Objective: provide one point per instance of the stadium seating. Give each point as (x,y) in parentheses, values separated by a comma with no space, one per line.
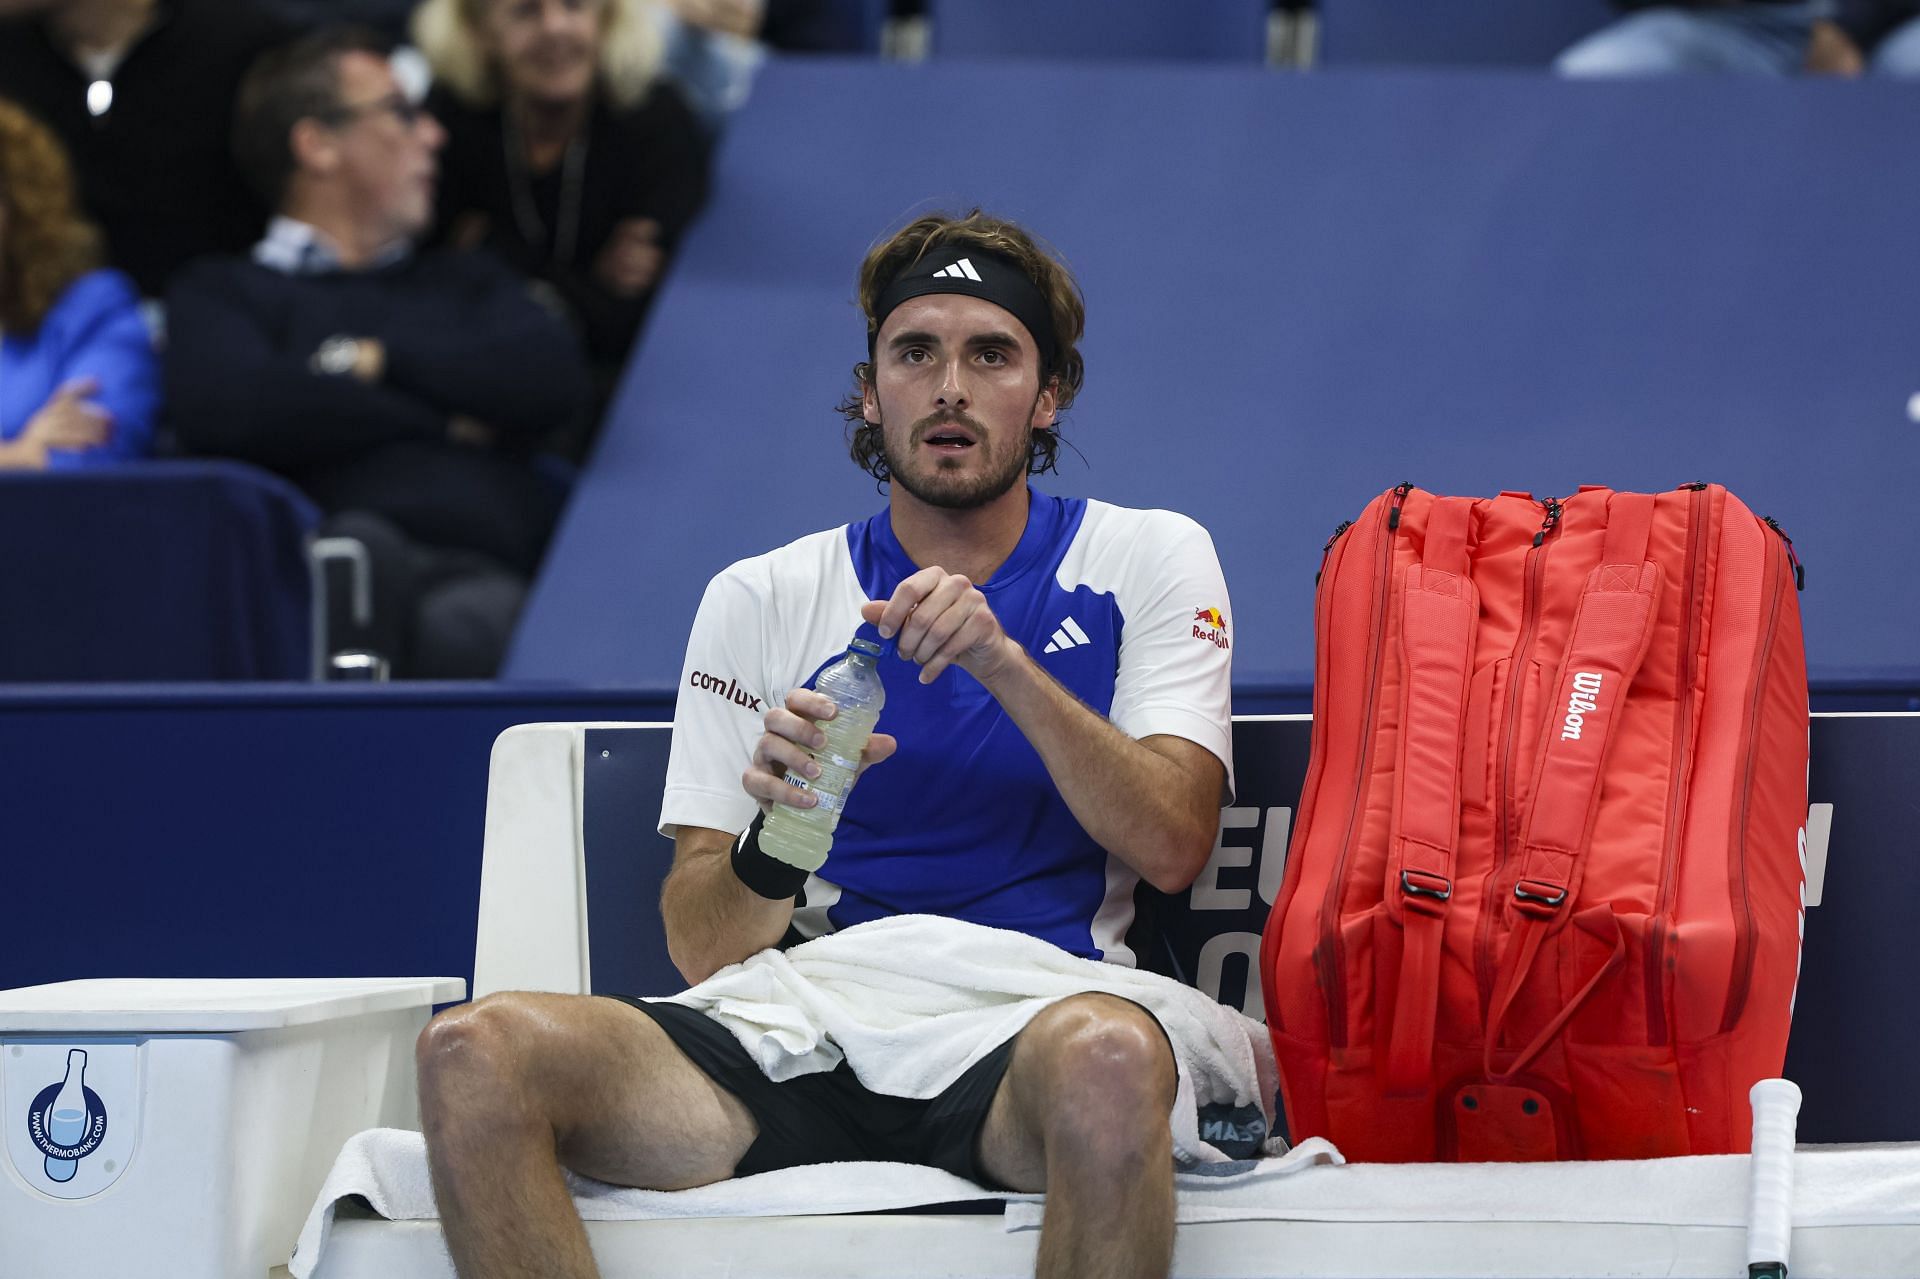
(1223,30)
(1524,33)
(1302,290)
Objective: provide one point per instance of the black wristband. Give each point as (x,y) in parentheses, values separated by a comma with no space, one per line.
(763,873)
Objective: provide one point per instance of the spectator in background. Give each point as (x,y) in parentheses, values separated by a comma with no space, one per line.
(388,17)
(140,92)
(403,390)
(712,51)
(565,153)
(714,47)
(78,379)
(1749,37)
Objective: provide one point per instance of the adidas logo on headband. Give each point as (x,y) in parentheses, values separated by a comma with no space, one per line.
(961,270)
(1010,289)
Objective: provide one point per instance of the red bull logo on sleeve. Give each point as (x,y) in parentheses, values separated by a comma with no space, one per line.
(1210,624)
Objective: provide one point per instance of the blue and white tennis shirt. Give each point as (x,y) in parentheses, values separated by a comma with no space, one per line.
(1126,608)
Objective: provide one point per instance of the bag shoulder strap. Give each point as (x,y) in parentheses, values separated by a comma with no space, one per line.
(1439,611)
(1611,633)
(1612,630)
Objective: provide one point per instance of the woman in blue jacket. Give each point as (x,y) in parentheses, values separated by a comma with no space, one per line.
(79,384)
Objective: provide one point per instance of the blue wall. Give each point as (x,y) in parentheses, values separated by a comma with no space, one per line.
(1302,290)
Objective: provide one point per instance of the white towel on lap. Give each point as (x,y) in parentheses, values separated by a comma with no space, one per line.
(912,1001)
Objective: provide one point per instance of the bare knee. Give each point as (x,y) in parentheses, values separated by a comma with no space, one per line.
(1106,1068)
(471,1060)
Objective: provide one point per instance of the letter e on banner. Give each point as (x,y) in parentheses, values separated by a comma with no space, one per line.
(1207,893)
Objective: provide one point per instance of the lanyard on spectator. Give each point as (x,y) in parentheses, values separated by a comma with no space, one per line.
(573,168)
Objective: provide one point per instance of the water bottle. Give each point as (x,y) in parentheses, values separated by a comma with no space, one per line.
(801,836)
(67,1117)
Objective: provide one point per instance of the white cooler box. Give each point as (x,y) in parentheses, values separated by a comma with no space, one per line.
(184,1127)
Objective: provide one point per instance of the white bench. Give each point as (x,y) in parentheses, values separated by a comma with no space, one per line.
(1674,1217)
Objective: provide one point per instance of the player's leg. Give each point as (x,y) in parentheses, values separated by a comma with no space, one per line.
(1082,1114)
(513,1087)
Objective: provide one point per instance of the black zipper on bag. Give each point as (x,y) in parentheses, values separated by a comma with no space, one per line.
(1549,524)
(1400,492)
(1327,550)
(1799,569)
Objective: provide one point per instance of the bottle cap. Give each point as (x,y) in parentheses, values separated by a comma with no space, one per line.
(866,646)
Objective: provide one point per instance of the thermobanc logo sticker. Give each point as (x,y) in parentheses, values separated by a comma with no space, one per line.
(67,1120)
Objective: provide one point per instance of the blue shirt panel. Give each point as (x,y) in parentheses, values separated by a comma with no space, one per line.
(964,821)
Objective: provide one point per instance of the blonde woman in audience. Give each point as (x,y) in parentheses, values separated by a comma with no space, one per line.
(566,153)
(78,380)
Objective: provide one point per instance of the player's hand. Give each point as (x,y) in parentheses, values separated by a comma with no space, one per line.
(942,620)
(791,731)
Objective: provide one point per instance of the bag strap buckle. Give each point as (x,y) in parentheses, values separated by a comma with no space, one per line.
(1424,883)
(1539,897)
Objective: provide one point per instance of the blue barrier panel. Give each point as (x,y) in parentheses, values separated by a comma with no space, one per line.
(253,831)
(1302,290)
(1853,1041)
(154,571)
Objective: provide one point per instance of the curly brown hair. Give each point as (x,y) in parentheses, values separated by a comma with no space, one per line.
(45,242)
(990,234)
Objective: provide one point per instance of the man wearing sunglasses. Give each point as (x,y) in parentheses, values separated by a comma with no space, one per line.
(405,391)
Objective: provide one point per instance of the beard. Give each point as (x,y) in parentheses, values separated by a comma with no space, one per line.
(951,491)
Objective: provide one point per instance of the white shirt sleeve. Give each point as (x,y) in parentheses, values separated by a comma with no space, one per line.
(1176,664)
(722,700)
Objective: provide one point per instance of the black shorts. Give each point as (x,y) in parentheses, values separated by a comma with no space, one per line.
(830,1116)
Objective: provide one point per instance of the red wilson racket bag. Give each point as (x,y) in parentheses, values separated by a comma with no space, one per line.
(1544,893)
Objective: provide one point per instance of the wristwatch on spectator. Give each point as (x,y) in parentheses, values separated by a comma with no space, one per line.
(338,356)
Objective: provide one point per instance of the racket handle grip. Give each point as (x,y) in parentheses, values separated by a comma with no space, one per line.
(1776,1111)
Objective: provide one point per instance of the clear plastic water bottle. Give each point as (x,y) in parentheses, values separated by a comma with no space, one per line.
(801,836)
(67,1118)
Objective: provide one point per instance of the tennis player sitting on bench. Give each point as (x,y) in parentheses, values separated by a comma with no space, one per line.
(1057,732)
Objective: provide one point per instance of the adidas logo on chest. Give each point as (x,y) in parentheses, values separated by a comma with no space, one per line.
(1065,636)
